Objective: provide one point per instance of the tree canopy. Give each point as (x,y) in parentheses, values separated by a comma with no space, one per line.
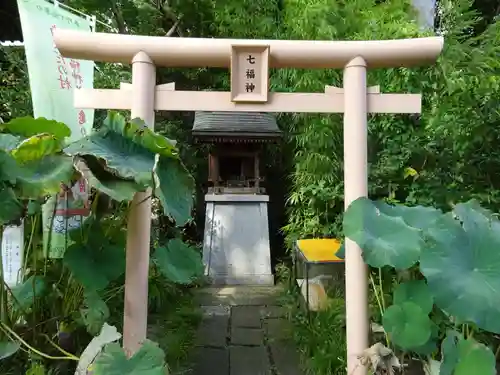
(447,154)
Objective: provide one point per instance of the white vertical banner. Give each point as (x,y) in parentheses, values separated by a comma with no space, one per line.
(53,80)
(12,253)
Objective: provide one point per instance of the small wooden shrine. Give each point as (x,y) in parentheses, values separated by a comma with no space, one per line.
(236,240)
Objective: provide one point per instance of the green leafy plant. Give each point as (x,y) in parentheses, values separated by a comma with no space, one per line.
(454,254)
(149,360)
(123,158)
(118,160)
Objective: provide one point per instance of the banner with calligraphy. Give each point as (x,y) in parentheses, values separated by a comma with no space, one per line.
(53,80)
(12,254)
(53,77)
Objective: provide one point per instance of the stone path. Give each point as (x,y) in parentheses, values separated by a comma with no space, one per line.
(244,332)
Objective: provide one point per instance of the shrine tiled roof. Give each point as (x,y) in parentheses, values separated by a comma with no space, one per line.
(235,124)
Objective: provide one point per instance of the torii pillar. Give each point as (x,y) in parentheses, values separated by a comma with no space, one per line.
(354,100)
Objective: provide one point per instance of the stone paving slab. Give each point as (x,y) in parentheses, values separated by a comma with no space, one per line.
(219,310)
(248,360)
(211,361)
(272,312)
(278,329)
(247,336)
(286,359)
(213,332)
(244,332)
(246,316)
(239,295)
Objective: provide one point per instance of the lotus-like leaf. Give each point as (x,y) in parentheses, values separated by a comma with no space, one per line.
(8,348)
(407,324)
(462,267)
(115,122)
(29,126)
(8,142)
(36,147)
(175,189)
(419,217)
(149,360)
(43,177)
(107,335)
(449,352)
(431,346)
(95,266)
(137,131)
(25,293)
(121,156)
(9,168)
(95,313)
(415,291)
(475,358)
(386,240)
(465,357)
(99,178)
(178,262)
(151,140)
(11,209)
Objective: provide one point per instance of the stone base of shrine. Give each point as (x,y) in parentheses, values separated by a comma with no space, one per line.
(236,247)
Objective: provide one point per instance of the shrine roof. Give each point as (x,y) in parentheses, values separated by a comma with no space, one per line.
(235,125)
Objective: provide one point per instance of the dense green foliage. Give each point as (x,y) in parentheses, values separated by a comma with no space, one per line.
(451,145)
(77,289)
(444,305)
(446,155)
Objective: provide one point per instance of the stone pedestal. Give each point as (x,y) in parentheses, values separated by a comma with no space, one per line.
(236,242)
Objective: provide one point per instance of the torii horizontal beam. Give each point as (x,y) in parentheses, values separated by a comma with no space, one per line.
(206,52)
(167,99)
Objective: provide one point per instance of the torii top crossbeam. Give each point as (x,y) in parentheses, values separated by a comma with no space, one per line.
(204,52)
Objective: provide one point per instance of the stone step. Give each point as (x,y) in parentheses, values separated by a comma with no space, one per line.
(239,295)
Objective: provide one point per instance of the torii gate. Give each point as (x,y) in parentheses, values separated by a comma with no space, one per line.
(249,61)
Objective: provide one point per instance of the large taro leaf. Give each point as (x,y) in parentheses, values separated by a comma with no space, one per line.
(431,346)
(10,209)
(419,217)
(449,352)
(148,360)
(29,126)
(386,240)
(465,357)
(24,294)
(9,168)
(175,189)
(8,142)
(462,266)
(408,325)
(178,262)
(107,335)
(95,266)
(137,131)
(99,178)
(95,313)
(474,358)
(43,177)
(36,147)
(415,291)
(122,157)
(8,348)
